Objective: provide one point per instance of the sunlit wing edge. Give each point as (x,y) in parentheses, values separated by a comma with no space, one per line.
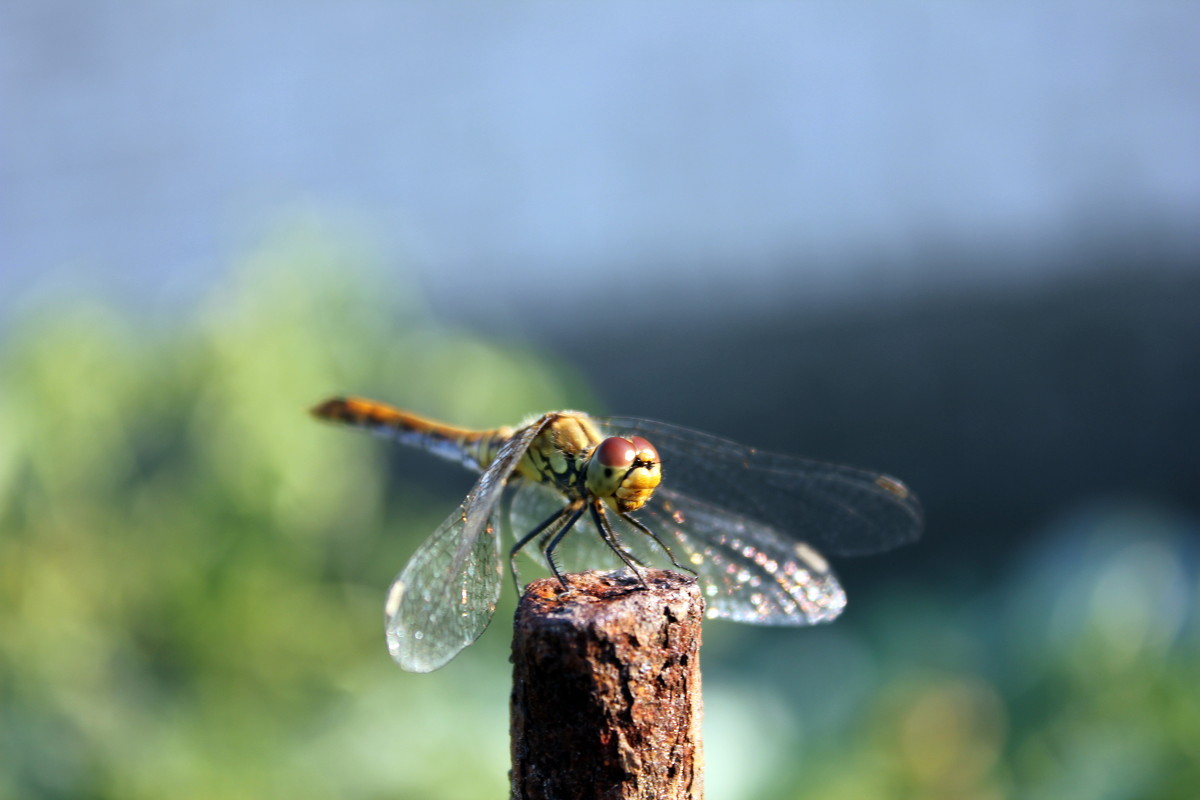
(445,596)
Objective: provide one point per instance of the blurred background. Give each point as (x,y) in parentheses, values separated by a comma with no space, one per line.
(958,244)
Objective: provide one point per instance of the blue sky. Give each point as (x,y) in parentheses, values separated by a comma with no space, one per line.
(751,148)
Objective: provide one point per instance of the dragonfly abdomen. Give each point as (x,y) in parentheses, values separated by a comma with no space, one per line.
(474,449)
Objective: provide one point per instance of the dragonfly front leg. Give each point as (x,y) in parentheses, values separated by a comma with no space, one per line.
(547,526)
(568,516)
(610,538)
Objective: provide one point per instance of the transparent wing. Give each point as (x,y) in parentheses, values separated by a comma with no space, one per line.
(446,594)
(749,572)
(842,510)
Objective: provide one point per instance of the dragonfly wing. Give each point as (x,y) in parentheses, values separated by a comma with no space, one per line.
(748,572)
(843,510)
(444,598)
(446,595)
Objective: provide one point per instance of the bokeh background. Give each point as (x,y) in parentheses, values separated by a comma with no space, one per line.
(955,243)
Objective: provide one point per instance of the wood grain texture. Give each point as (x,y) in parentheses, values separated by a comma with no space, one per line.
(606,689)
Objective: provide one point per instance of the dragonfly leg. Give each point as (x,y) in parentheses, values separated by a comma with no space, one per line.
(549,534)
(610,538)
(635,523)
(616,542)
(547,527)
(575,511)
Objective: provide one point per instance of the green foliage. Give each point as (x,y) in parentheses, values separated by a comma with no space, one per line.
(192,569)
(192,574)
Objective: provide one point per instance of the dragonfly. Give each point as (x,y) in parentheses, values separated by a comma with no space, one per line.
(751,526)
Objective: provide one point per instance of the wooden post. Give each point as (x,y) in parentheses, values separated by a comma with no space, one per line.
(606,689)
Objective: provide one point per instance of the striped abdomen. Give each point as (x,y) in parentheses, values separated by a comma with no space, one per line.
(474,449)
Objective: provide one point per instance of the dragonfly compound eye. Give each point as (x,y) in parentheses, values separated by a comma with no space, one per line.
(645,451)
(616,453)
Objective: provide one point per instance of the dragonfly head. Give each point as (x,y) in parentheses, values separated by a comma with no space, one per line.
(624,472)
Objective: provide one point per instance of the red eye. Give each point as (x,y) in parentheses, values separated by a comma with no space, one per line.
(616,452)
(641,445)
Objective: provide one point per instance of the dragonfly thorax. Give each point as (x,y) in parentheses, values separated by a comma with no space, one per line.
(624,472)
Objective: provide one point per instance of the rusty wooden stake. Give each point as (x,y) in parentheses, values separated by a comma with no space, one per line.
(606,689)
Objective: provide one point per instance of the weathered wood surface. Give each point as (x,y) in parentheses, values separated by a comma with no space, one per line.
(606,689)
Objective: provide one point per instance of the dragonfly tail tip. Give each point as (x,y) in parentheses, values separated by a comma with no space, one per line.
(334,408)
